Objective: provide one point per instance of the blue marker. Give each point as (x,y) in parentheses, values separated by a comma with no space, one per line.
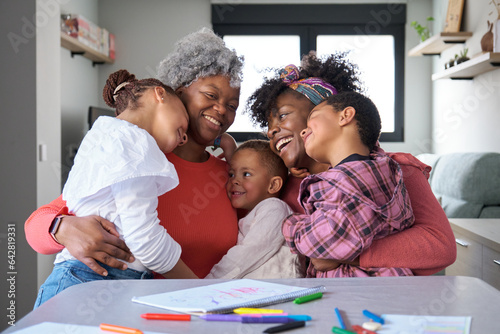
(339,317)
(374,317)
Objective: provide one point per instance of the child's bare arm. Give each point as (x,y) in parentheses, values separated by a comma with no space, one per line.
(327,265)
(180,270)
(228,146)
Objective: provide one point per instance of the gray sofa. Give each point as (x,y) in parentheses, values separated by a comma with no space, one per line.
(466,184)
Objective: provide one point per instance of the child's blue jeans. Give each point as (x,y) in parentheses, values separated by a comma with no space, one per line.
(69,273)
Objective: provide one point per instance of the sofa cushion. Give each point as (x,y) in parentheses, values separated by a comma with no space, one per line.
(467,185)
(490,212)
(472,177)
(458,208)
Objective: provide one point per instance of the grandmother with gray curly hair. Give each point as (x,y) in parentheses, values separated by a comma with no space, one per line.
(206,75)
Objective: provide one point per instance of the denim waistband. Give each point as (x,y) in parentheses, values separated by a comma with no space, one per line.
(113,273)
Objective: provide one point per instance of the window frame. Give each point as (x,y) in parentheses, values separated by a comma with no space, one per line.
(309,21)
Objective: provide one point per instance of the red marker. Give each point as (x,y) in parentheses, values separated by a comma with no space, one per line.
(361,330)
(165,316)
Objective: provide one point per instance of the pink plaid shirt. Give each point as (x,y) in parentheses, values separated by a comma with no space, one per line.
(346,208)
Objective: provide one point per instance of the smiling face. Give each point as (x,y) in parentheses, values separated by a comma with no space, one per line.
(170,123)
(249,180)
(285,126)
(322,132)
(211,104)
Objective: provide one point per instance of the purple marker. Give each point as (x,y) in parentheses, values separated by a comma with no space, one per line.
(221,317)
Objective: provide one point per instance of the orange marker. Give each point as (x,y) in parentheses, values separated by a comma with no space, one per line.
(120,329)
(165,316)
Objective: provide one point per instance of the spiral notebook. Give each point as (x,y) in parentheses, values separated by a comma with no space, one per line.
(227,296)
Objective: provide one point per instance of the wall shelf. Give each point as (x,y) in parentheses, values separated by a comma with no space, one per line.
(78,48)
(482,63)
(438,43)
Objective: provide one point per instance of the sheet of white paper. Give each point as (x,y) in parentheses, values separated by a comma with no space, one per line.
(57,328)
(422,324)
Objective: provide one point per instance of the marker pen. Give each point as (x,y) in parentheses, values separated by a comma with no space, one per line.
(285,327)
(374,317)
(120,329)
(308,298)
(165,316)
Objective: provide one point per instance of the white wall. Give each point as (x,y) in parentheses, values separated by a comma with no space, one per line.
(79,82)
(418,94)
(147,30)
(466,113)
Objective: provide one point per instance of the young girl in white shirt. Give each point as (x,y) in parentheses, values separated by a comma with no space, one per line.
(119,172)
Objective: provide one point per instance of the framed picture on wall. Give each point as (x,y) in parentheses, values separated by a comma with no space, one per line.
(454,15)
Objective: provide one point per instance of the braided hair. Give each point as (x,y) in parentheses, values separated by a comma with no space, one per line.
(123,90)
(336,70)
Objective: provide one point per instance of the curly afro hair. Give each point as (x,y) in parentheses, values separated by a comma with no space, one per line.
(367,115)
(336,69)
(198,55)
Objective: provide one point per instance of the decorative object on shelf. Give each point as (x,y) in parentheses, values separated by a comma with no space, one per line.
(454,15)
(83,37)
(87,33)
(451,62)
(478,64)
(487,40)
(438,43)
(423,31)
(462,57)
(68,25)
(496,27)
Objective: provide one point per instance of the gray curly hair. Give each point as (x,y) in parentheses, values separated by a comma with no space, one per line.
(198,55)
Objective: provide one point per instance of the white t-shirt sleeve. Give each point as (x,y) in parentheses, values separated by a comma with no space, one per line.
(136,203)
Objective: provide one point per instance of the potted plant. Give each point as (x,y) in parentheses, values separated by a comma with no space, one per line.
(451,62)
(423,31)
(463,56)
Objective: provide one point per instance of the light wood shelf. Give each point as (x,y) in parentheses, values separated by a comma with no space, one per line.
(438,43)
(77,47)
(482,63)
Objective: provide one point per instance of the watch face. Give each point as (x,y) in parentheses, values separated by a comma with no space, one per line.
(55,225)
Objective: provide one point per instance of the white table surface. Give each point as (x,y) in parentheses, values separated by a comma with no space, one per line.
(110,302)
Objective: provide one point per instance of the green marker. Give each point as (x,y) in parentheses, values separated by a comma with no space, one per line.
(337,330)
(308,298)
